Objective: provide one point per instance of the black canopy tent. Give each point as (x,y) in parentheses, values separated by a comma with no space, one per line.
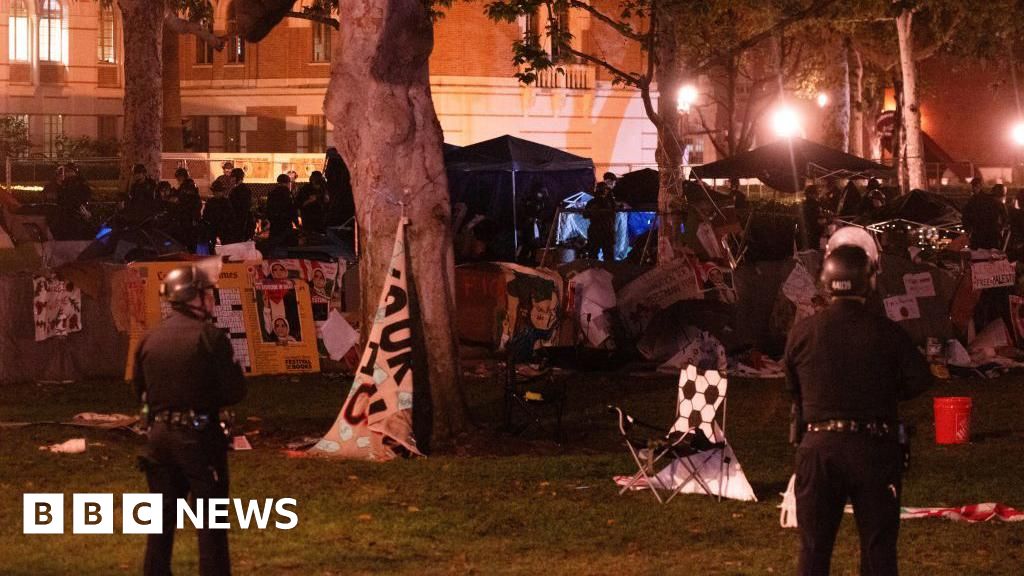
(785,164)
(489,176)
(638,188)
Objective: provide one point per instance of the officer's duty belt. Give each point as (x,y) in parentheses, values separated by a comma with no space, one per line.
(189,418)
(873,428)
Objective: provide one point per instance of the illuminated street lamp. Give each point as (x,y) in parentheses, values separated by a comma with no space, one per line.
(786,122)
(822,99)
(1017,133)
(687,97)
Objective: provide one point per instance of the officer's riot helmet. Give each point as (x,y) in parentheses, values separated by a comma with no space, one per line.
(848,271)
(183,284)
(854,236)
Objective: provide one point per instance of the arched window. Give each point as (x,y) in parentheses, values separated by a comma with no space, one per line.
(107,44)
(235,45)
(18,32)
(51,31)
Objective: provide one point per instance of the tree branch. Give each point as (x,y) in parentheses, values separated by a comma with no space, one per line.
(756,39)
(182,26)
(313,17)
(627,77)
(621,27)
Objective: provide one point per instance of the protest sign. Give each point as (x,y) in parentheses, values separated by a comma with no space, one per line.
(903,307)
(992,274)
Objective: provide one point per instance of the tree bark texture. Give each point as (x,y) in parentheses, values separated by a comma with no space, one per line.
(856,103)
(916,176)
(669,152)
(173,140)
(388,133)
(143,90)
(838,113)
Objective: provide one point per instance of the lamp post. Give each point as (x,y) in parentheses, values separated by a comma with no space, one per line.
(786,122)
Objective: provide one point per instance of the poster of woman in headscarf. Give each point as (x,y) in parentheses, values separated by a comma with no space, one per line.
(278,309)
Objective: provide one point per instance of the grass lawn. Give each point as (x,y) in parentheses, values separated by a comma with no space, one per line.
(502,505)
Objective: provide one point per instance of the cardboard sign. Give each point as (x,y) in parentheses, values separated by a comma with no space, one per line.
(656,290)
(376,420)
(903,307)
(992,274)
(249,323)
(919,285)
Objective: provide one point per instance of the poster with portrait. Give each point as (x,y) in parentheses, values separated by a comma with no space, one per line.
(716,282)
(532,307)
(57,307)
(235,312)
(322,278)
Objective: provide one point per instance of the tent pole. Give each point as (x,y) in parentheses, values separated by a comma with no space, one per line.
(515,220)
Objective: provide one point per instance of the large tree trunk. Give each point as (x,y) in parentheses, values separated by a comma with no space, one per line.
(838,114)
(857,104)
(143,93)
(391,139)
(172,129)
(669,152)
(916,176)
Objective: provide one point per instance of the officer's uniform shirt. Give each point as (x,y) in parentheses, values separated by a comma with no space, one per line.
(849,363)
(187,363)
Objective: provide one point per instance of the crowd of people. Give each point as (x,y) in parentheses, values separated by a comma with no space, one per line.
(232,212)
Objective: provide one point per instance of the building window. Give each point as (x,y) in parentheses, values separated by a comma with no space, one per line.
(51,31)
(235,45)
(204,50)
(105,47)
(695,149)
(106,128)
(321,42)
(232,133)
(316,134)
(17,32)
(197,134)
(53,129)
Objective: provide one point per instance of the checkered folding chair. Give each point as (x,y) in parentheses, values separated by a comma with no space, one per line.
(694,439)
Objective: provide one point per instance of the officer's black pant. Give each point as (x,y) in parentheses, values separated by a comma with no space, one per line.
(182,463)
(832,467)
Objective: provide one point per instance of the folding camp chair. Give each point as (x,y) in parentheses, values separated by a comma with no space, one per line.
(694,439)
(530,387)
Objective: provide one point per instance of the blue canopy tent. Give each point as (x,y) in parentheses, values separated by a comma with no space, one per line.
(489,177)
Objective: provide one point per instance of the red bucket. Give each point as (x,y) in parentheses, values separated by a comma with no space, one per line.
(952,420)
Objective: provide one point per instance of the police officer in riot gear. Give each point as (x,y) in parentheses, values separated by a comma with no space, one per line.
(185,374)
(847,368)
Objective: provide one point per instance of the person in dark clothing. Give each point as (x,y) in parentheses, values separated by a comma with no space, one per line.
(984,218)
(185,374)
(217,221)
(534,219)
(223,182)
(849,201)
(1015,220)
(847,369)
(341,204)
(312,202)
(280,209)
(142,199)
(73,196)
(601,233)
(241,206)
(812,220)
(188,213)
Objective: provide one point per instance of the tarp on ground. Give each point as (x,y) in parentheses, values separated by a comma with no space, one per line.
(786,164)
(96,351)
(492,177)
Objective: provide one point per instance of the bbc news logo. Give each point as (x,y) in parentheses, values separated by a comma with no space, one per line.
(143,513)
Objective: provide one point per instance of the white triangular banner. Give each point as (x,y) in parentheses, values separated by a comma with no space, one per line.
(727,480)
(375,422)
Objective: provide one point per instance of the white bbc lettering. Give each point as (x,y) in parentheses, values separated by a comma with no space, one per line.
(92,514)
(43,513)
(246,513)
(219,508)
(196,516)
(142,514)
(281,508)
